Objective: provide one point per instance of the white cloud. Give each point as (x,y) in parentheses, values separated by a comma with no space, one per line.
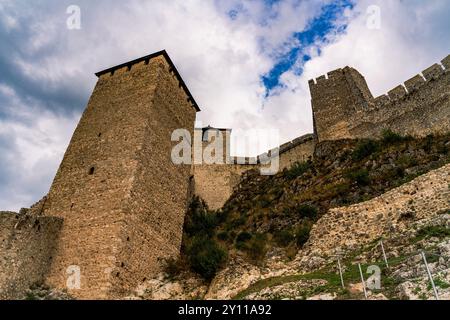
(409,40)
(32,144)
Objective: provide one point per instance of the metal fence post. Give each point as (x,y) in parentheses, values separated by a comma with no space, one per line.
(430,276)
(362,280)
(384,254)
(340,273)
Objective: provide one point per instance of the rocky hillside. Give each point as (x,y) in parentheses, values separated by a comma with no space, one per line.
(279,237)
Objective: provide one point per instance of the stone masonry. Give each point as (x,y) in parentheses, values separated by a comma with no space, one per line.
(27,245)
(365,222)
(116,206)
(121,197)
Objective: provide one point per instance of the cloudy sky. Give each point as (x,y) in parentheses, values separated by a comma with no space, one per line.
(247,63)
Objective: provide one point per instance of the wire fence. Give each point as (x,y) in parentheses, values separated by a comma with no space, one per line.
(424,261)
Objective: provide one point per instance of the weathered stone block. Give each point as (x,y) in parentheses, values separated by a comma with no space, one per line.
(27,244)
(397,92)
(414,83)
(382,100)
(433,72)
(446,62)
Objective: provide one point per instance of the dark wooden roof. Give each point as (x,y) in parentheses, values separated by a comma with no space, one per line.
(147,58)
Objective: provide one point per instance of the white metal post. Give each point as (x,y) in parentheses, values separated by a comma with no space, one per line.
(362,280)
(340,273)
(430,276)
(384,254)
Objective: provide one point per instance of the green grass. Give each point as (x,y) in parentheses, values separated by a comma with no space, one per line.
(330,274)
(438,282)
(432,231)
(364,149)
(297,170)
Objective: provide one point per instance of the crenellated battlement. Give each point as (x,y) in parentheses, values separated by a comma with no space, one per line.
(414,84)
(145,61)
(335,74)
(116,206)
(341,102)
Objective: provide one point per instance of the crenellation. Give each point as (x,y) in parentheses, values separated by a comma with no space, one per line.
(433,72)
(344,108)
(321,79)
(117,203)
(446,63)
(414,83)
(397,93)
(382,100)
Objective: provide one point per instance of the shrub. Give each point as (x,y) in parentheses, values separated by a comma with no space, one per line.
(307,211)
(302,233)
(242,239)
(235,223)
(223,236)
(442,148)
(198,220)
(390,137)
(283,238)
(257,247)
(265,202)
(428,143)
(364,149)
(297,169)
(205,256)
(406,161)
(361,177)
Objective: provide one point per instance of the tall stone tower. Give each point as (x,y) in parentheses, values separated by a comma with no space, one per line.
(121,197)
(335,100)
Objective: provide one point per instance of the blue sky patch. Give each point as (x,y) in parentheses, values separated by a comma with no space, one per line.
(296,57)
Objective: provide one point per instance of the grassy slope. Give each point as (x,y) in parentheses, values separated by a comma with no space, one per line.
(278,211)
(351,172)
(351,273)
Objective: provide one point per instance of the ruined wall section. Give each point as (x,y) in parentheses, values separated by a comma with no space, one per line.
(419,107)
(158,199)
(27,246)
(350,228)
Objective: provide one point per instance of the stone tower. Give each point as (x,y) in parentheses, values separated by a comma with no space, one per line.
(209,135)
(335,99)
(121,197)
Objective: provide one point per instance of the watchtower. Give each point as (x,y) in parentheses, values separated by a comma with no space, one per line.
(335,99)
(121,197)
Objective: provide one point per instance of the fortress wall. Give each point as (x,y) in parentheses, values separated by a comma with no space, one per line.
(350,228)
(343,106)
(94,190)
(298,150)
(158,199)
(215,183)
(419,107)
(26,249)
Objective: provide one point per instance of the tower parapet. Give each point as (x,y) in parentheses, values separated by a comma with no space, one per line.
(343,106)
